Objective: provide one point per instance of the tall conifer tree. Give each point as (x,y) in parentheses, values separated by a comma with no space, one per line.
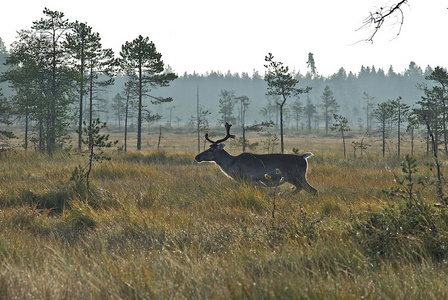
(281,83)
(140,57)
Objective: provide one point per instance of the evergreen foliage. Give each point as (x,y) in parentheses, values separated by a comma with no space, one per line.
(281,83)
(93,64)
(140,58)
(55,63)
(341,125)
(329,106)
(5,112)
(226,107)
(40,73)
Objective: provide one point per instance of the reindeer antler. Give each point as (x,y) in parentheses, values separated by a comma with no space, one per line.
(228,135)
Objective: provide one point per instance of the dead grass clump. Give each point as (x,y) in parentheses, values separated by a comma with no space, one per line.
(158,157)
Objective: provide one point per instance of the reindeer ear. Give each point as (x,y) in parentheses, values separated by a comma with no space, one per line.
(221,146)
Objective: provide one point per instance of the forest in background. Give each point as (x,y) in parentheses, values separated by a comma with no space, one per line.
(73,78)
(348,90)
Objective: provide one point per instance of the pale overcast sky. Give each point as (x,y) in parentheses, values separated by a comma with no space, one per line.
(205,35)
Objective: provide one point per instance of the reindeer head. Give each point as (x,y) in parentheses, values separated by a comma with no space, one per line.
(216,147)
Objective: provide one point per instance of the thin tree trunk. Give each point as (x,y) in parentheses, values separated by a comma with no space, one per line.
(139,120)
(26,131)
(384,138)
(445,137)
(198,112)
(399,129)
(160,137)
(90,108)
(281,127)
(81,96)
(126,123)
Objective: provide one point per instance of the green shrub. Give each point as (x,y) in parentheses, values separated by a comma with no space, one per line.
(396,230)
(409,226)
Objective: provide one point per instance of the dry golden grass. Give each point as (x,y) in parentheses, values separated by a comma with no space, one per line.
(157,226)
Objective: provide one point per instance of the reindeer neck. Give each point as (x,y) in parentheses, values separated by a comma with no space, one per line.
(224,160)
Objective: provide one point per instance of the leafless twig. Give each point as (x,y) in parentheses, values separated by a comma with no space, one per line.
(377,18)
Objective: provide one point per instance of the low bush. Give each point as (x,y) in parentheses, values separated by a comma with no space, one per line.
(409,226)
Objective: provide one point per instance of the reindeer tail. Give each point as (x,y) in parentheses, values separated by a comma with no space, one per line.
(306,155)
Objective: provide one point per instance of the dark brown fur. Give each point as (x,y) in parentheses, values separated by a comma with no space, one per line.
(267,169)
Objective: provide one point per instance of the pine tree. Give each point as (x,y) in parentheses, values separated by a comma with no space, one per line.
(24,78)
(309,111)
(399,115)
(383,113)
(281,83)
(91,62)
(297,110)
(341,126)
(428,114)
(244,102)
(140,57)
(226,106)
(329,106)
(440,76)
(53,29)
(5,114)
(39,60)
(118,105)
(369,105)
(311,64)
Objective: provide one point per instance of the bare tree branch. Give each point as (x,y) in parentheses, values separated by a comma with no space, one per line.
(377,18)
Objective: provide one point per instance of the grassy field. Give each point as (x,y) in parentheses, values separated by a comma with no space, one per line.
(156,225)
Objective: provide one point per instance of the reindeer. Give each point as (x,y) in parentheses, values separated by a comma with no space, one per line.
(267,169)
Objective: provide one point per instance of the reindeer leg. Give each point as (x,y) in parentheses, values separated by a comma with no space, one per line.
(302,183)
(308,187)
(298,187)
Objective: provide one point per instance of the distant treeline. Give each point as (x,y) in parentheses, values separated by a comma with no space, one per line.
(349,90)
